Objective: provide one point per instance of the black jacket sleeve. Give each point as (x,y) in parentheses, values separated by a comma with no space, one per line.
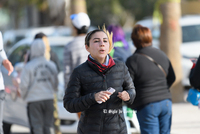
(73,101)
(129,86)
(170,76)
(195,75)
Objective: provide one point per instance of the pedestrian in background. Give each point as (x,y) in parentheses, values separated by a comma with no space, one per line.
(195,73)
(121,49)
(38,83)
(7,64)
(50,55)
(74,52)
(101,110)
(153,75)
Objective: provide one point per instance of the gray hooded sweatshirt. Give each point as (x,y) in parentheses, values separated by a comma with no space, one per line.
(39,78)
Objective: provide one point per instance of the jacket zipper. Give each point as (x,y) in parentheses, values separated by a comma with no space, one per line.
(104,105)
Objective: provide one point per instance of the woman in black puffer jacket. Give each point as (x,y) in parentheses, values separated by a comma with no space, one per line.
(88,85)
(153,75)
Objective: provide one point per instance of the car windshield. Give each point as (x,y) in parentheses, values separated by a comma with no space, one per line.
(17,55)
(191,33)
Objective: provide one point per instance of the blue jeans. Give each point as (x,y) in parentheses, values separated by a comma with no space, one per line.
(155,118)
(2,98)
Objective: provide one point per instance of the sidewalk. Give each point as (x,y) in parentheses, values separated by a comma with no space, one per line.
(185,119)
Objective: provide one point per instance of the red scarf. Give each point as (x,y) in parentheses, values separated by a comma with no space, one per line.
(101,67)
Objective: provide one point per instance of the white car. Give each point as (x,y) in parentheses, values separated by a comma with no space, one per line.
(190,47)
(11,37)
(15,107)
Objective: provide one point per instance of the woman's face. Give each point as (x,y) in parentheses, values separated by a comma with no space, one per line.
(98,46)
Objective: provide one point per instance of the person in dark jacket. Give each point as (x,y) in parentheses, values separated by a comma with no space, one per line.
(195,74)
(86,92)
(152,83)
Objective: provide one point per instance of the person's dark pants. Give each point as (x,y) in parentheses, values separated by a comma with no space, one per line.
(155,118)
(6,127)
(2,98)
(41,117)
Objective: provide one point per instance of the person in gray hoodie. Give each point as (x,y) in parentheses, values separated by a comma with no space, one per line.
(38,83)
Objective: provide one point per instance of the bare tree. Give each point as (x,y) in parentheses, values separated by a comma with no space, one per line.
(170,41)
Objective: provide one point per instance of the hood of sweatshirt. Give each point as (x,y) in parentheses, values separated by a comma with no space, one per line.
(37,48)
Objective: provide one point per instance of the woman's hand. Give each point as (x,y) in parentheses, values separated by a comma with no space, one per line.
(102,96)
(124,96)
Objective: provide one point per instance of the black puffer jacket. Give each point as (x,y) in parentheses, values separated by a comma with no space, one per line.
(150,82)
(104,118)
(195,75)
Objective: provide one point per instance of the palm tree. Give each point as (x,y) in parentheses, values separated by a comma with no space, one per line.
(170,40)
(78,6)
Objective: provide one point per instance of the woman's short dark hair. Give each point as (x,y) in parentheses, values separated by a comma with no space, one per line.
(89,35)
(141,36)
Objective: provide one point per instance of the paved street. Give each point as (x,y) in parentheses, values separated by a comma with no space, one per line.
(185,120)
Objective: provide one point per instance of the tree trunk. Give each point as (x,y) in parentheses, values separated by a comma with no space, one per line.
(15,13)
(78,6)
(170,41)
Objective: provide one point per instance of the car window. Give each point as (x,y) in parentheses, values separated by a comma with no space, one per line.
(191,33)
(18,38)
(17,55)
(59,50)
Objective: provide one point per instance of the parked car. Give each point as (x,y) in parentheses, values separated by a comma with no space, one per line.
(11,37)
(15,107)
(190,47)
